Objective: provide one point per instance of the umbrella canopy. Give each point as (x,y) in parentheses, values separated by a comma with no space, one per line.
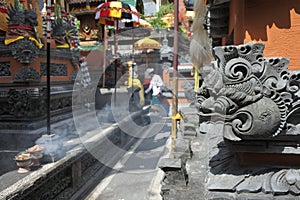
(109,11)
(146,43)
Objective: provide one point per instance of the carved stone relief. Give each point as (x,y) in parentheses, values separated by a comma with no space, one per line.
(89,30)
(5,69)
(248,137)
(228,177)
(27,74)
(24,51)
(26,103)
(31,102)
(56,69)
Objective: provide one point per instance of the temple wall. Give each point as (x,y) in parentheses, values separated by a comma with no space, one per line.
(274,23)
(236,20)
(15,66)
(277,24)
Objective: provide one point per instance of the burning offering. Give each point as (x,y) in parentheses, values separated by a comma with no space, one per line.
(23,161)
(36,153)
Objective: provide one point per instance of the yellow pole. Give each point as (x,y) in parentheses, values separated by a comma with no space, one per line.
(196,78)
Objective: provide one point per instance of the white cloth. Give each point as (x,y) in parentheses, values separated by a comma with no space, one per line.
(156,90)
(85,75)
(155,84)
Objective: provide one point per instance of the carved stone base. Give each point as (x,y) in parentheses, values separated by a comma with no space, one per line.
(23,114)
(214,172)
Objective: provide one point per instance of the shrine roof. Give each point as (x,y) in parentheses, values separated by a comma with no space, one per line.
(82,1)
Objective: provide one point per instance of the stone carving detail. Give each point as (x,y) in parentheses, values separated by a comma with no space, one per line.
(248,106)
(24,51)
(30,104)
(27,74)
(54,186)
(21,25)
(255,97)
(252,102)
(227,177)
(89,30)
(61,33)
(26,103)
(55,69)
(60,103)
(58,183)
(5,69)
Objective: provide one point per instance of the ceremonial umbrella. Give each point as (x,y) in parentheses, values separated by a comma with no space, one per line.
(115,13)
(142,30)
(108,12)
(146,44)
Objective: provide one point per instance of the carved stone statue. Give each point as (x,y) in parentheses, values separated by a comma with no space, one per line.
(249,110)
(255,97)
(62,32)
(21,35)
(21,24)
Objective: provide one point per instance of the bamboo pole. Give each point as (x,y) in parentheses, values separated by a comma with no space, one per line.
(105,49)
(116,27)
(174,80)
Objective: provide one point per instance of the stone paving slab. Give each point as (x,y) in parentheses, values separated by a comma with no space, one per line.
(138,176)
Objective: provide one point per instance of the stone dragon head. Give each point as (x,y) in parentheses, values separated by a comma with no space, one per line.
(255,97)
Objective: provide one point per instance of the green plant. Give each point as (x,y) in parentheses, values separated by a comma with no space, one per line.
(165,9)
(157,21)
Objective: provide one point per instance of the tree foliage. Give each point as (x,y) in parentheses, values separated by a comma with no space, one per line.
(157,21)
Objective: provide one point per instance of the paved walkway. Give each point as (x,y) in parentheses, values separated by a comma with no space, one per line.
(137,176)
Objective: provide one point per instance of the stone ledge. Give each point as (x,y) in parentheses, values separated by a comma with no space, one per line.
(54,178)
(170,163)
